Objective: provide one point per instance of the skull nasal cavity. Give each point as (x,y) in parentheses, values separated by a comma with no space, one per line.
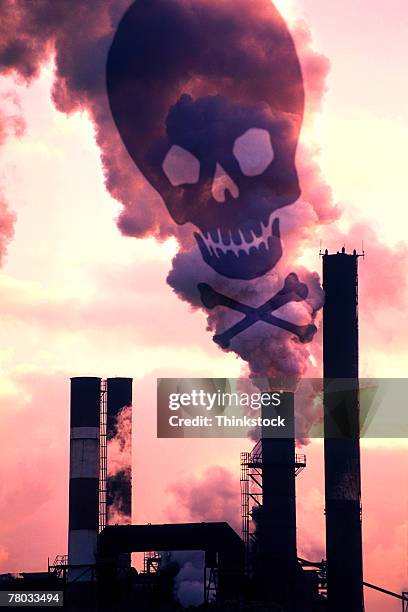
(222,182)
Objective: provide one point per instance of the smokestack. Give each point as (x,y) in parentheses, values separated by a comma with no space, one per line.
(84,475)
(276,556)
(342,433)
(119,484)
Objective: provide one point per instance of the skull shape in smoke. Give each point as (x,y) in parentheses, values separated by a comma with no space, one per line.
(208,99)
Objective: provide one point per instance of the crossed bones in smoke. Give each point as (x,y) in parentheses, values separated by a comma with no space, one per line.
(292,291)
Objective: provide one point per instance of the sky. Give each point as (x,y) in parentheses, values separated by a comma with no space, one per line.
(79,298)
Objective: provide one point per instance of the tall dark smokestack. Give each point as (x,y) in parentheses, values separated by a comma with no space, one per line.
(84,475)
(276,557)
(342,441)
(119,445)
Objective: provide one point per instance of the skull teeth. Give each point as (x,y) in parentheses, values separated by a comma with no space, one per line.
(217,248)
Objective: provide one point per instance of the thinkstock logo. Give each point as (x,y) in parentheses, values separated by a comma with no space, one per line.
(207,401)
(281,408)
(227,408)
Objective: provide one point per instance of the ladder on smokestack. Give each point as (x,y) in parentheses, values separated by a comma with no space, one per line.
(103,457)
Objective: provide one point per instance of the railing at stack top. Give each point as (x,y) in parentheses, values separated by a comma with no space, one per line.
(251,490)
(58,568)
(151,561)
(103,457)
(319,569)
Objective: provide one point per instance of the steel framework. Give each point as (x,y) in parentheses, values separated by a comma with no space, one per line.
(251,493)
(210,584)
(319,568)
(151,561)
(60,568)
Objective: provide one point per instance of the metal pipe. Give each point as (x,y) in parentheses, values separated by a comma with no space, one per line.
(385,591)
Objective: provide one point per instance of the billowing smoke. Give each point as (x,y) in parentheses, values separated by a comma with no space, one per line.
(7,219)
(267,349)
(119,469)
(189,581)
(212,497)
(11,124)
(78,36)
(120,445)
(204,95)
(236,36)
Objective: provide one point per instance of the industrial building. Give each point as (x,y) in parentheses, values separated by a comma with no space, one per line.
(260,570)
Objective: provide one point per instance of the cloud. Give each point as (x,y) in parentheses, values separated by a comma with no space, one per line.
(34,469)
(7,219)
(11,124)
(130,315)
(212,497)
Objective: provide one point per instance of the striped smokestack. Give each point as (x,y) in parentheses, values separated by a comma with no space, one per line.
(84,475)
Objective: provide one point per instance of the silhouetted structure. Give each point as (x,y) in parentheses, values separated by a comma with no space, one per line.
(84,475)
(275,535)
(262,569)
(96,408)
(342,443)
(224,551)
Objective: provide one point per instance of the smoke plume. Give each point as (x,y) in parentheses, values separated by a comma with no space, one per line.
(119,468)
(77,36)
(189,581)
(215,497)
(11,124)
(212,497)
(120,445)
(7,219)
(202,88)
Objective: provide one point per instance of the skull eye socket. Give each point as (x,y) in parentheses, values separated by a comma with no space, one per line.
(253,151)
(181,167)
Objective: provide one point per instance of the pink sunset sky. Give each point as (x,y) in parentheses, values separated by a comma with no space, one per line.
(79,298)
